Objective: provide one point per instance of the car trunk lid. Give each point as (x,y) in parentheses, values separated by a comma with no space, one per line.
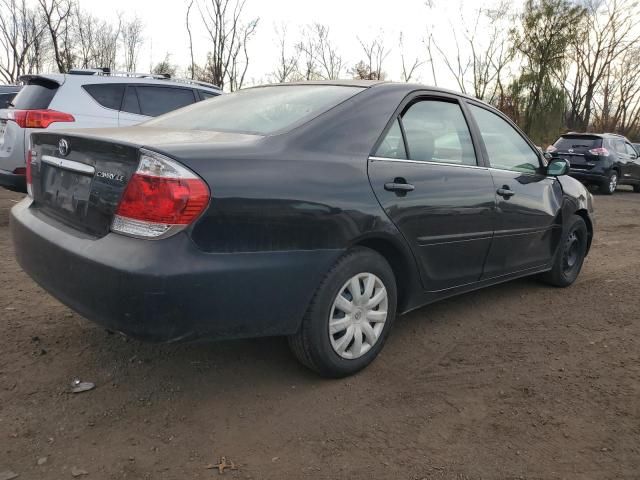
(79,178)
(79,181)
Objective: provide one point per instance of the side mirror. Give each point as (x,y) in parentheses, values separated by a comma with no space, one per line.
(548,156)
(558,167)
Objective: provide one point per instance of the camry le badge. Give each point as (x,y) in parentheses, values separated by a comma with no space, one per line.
(110,176)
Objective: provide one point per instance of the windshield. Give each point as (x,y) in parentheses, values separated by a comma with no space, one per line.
(262,111)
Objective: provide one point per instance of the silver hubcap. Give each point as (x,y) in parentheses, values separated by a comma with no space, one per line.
(358,315)
(613,184)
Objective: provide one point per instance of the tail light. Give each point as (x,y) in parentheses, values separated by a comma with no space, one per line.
(161,198)
(599,152)
(38,118)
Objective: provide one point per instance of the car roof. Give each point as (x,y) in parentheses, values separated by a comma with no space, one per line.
(380,84)
(592,134)
(85,79)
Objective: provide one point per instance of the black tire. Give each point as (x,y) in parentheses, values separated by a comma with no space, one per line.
(570,255)
(312,344)
(608,187)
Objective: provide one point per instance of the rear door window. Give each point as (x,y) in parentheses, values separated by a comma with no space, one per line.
(392,145)
(618,146)
(155,101)
(130,103)
(436,131)
(36,95)
(108,95)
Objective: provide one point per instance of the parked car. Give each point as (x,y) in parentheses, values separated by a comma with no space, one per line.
(82,99)
(7,93)
(603,159)
(317,211)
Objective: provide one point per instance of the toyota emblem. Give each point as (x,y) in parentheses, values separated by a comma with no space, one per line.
(63,147)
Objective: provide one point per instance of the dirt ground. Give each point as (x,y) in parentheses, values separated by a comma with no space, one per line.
(516,381)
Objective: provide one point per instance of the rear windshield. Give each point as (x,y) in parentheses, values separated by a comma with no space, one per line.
(261,111)
(36,95)
(5,99)
(578,142)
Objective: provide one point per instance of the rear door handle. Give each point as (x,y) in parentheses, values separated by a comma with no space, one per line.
(399,185)
(506,192)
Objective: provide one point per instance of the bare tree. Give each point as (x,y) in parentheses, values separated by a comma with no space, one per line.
(429,44)
(132,41)
(228,57)
(375,54)
(616,106)
(96,40)
(20,40)
(287,66)
(306,51)
(193,63)
(408,70)
(609,31)
(480,60)
(58,15)
(240,57)
(329,61)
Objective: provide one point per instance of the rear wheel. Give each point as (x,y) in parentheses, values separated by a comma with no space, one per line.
(349,317)
(608,187)
(569,258)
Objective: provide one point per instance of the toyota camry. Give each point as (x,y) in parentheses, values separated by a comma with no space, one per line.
(316,211)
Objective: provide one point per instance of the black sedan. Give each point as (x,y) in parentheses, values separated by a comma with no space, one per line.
(318,211)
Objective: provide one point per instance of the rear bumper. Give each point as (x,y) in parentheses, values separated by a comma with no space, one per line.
(167,290)
(588,177)
(14,182)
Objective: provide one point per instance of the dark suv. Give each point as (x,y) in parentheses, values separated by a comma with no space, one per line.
(603,159)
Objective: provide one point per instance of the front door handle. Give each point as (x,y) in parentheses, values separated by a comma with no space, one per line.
(506,192)
(399,185)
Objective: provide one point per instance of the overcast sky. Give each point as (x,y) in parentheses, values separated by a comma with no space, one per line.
(165,30)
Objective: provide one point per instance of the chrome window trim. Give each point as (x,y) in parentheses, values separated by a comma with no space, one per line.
(515,171)
(69,165)
(425,162)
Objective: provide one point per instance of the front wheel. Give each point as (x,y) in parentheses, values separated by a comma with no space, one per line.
(350,316)
(570,255)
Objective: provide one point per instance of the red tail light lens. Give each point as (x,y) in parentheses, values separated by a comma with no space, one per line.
(599,152)
(38,118)
(161,198)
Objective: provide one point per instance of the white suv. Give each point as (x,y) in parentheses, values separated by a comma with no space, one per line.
(86,99)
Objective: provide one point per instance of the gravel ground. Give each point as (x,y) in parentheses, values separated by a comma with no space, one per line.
(515,381)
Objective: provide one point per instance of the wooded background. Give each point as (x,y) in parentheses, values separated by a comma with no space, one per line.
(551,65)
